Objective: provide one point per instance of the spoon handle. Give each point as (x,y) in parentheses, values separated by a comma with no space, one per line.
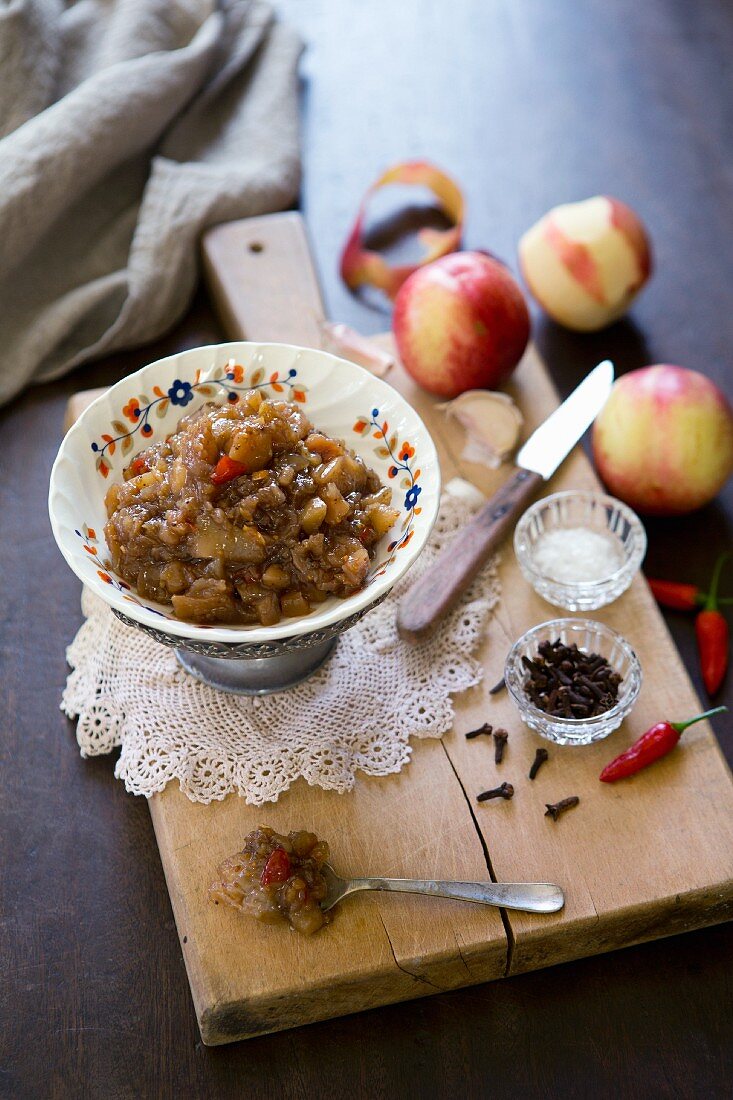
(532,897)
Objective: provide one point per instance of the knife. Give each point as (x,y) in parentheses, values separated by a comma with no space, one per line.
(439,588)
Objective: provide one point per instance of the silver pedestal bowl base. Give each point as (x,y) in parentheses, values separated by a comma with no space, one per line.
(259,669)
(256,675)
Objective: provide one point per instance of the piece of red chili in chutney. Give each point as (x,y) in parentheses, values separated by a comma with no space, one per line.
(657,742)
(139,465)
(277,868)
(226,470)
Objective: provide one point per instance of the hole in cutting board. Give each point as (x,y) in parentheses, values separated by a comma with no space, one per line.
(256,246)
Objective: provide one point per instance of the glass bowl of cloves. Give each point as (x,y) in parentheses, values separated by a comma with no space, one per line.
(573,680)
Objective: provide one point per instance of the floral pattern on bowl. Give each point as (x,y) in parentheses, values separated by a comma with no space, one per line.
(147,406)
(401,455)
(105,572)
(232,379)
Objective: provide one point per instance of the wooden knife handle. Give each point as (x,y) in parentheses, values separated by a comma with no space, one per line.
(439,588)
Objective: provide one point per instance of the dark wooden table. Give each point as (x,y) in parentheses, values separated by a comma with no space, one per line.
(528,104)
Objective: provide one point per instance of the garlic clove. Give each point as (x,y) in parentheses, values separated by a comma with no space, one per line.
(492,423)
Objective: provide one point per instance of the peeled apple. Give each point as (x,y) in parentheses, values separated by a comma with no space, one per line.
(663,441)
(585,262)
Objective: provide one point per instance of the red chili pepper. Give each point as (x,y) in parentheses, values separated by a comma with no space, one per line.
(680,597)
(712,634)
(277,868)
(655,743)
(227,469)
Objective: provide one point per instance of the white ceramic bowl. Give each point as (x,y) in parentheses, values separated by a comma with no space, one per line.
(341,398)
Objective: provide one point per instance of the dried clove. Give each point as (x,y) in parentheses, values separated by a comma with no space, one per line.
(486,728)
(500,739)
(539,758)
(498,687)
(565,682)
(555,810)
(506,790)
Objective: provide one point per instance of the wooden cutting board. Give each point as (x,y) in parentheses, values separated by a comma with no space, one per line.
(639,860)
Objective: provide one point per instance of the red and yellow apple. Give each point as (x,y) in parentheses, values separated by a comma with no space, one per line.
(663,442)
(461,323)
(585,262)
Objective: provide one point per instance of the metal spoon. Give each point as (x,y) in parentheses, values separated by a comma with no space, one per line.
(532,897)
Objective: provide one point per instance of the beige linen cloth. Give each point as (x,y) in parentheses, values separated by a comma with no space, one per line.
(126,128)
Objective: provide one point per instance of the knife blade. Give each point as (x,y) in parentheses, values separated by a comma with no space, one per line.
(555,438)
(449,576)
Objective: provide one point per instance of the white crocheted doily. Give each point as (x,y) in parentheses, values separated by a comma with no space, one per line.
(357,713)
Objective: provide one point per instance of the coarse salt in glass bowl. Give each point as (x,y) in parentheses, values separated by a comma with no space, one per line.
(579,549)
(591,637)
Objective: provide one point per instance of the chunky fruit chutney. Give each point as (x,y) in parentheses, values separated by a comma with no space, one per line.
(246,514)
(276,878)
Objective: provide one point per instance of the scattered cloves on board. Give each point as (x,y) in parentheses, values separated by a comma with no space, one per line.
(506,790)
(555,810)
(486,728)
(500,739)
(540,756)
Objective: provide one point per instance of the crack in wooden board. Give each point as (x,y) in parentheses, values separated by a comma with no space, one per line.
(397,945)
